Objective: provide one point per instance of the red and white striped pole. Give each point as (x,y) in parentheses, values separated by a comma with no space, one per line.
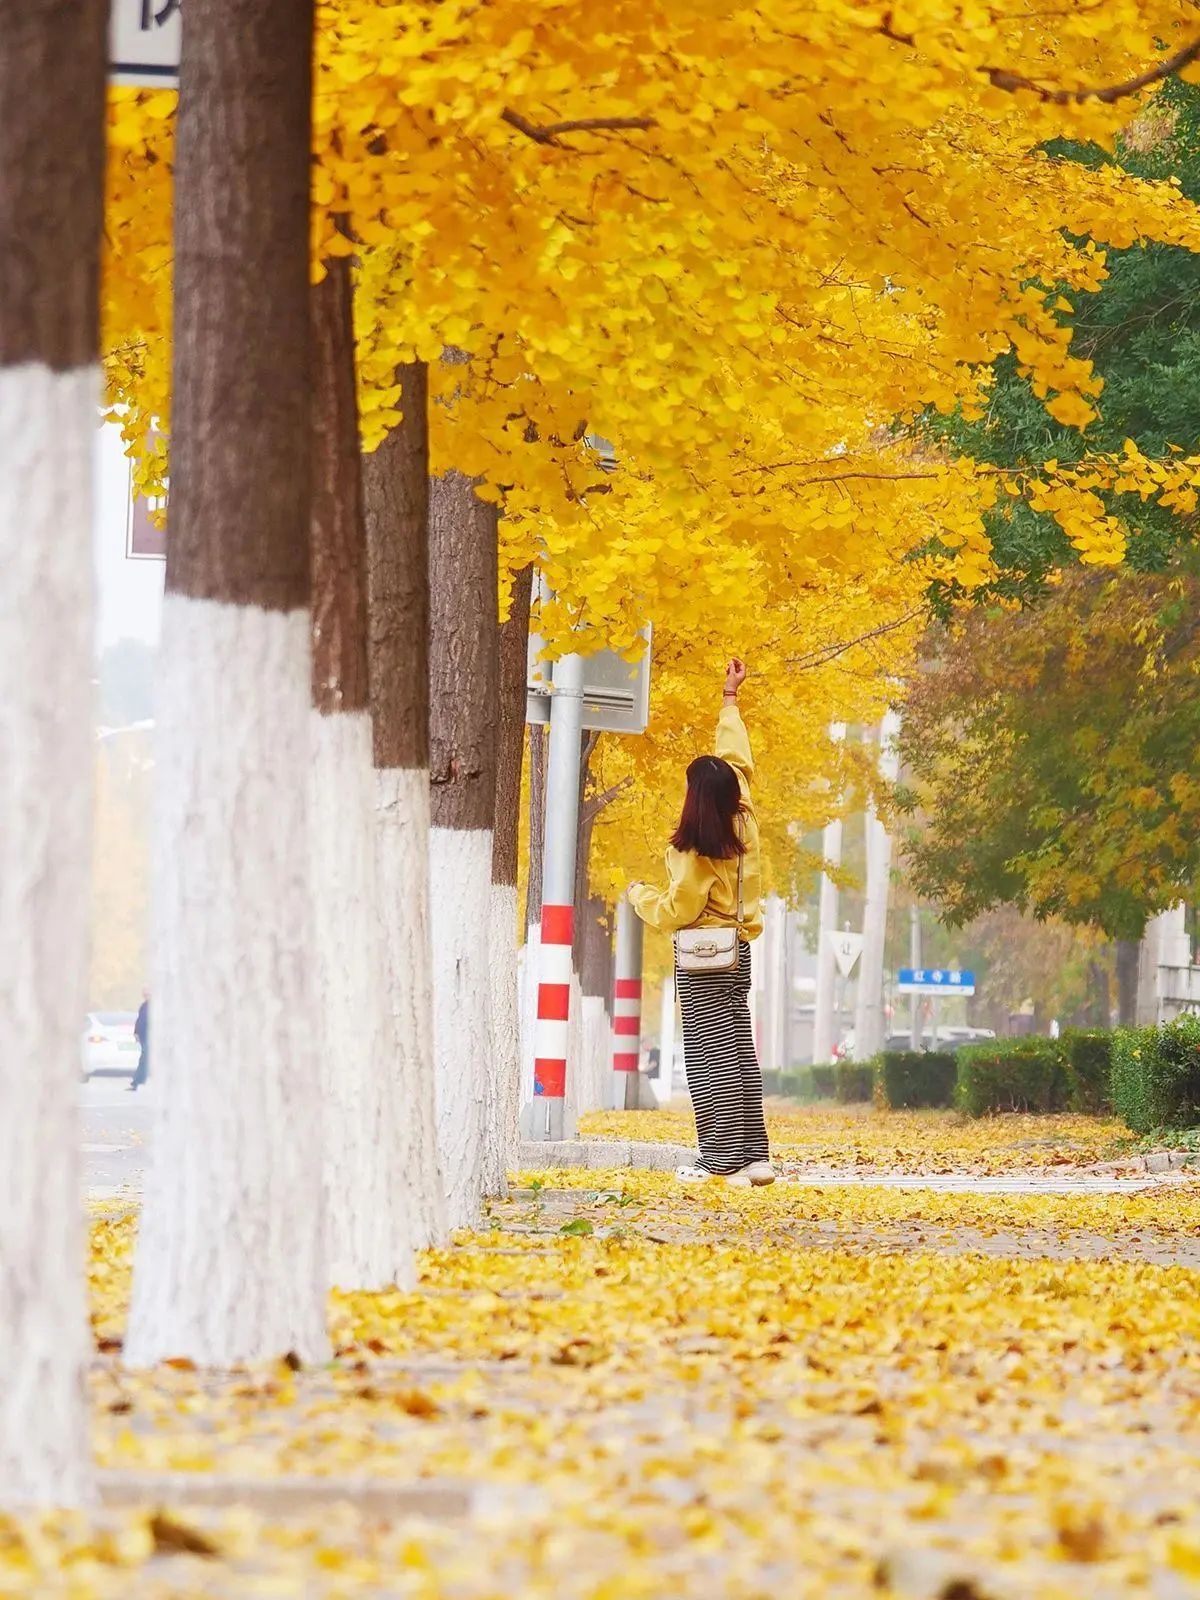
(553,1003)
(558,899)
(627,1006)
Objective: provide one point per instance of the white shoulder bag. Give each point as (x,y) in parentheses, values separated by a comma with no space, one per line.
(711,949)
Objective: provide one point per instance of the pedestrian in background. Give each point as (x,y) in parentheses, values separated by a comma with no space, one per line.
(141,1032)
(713,876)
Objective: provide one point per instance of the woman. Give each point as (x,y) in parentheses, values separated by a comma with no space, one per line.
(717,832)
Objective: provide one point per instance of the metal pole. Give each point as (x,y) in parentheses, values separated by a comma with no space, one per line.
(627,1005)
(558,898)
(868,1010)
(666,1035)
(914,958)
(823,1018)
(789,948)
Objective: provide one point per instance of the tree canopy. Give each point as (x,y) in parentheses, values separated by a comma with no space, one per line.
(1052,753)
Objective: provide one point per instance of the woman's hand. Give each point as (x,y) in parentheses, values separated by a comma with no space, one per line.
(735,677)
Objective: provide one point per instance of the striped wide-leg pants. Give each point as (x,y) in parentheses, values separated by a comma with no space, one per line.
(722,1068)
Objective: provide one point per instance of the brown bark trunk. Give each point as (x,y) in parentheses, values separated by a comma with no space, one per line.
(595,949)
(241,421)
(462,655)
(1100,1004)
(396,499)
(1127,981)
(510,739)
(538,734)
(52,181)
(339,539)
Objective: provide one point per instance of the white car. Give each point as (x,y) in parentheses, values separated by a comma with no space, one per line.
(108,1044)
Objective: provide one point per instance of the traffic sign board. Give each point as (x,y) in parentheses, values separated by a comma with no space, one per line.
(143,43)
(847,947)
(934,980)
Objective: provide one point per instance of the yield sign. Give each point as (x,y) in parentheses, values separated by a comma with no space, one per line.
(847,947)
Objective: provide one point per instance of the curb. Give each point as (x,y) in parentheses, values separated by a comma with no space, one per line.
(443,1499)
(543,1154)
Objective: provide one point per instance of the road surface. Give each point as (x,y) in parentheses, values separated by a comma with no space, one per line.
(115,1129)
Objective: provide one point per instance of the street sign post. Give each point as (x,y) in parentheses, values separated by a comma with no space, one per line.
(143,43)
(847,947)
(616,692)
(935,981)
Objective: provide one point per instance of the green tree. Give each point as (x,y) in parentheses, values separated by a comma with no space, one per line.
(1141,328)
(1051,754)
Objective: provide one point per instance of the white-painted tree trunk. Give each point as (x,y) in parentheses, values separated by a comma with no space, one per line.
(460,869)
(575,1090)
(364,1105)
(47,425)
(595,1064)
(230,1261)
(502,1132)
(402,857)
(667,1032)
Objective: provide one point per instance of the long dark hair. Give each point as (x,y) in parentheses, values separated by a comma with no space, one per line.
(707,823)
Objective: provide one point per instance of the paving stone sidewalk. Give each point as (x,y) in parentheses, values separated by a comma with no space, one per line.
(612,1154)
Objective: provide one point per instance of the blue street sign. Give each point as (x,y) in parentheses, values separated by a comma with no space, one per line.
(934,980)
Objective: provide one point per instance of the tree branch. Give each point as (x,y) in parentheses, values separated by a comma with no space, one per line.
(595,804)
(551,132)
(1016,82)
(818,658)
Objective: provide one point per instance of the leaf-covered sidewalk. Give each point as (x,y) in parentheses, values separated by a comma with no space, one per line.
(621,1388)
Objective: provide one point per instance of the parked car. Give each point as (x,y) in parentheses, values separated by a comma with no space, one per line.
(108,1045)
(950,1038)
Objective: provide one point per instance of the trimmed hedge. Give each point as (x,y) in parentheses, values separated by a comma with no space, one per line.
(855,1081)
(1156,1075)
(915,1078)
(824,1082)
(1027,1074)
(1089,1069)
(801,1083)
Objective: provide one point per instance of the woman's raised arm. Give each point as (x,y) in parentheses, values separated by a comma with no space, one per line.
(733,742)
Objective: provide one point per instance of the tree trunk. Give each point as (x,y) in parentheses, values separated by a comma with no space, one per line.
(538,739)
(533,905)
(230,1263)
(1127,981)
(365,1109)
(51,198)
(463,711)
(396,485)
(594,1068)
(503,1133)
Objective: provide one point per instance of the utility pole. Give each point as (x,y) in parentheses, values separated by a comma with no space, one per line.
(823,1018)
(558,899)
(789,949)
(666,1034)
(868,1010)
(627,1006)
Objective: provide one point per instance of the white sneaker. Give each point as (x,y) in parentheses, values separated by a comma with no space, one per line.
(759,1173)
(740,1180)
(693,1175)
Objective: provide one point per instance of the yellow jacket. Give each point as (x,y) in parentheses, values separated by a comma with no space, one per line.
(700,892)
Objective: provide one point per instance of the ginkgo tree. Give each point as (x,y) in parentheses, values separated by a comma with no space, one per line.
(737,245)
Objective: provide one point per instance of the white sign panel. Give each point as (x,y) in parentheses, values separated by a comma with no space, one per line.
(616,692)
(847,947)
(143,43)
